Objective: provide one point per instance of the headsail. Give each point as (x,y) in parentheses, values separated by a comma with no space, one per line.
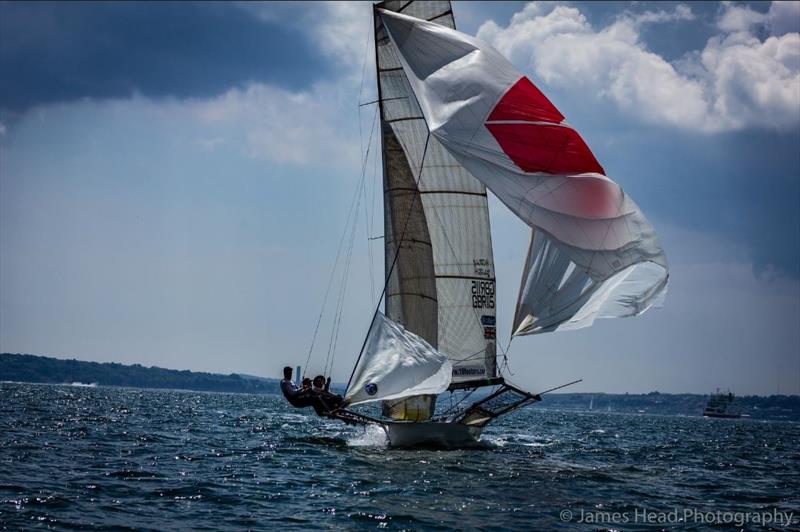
(396,363)
(442,284)
(593,253)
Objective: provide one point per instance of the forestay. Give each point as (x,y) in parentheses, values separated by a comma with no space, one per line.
(592,253)
(397,363)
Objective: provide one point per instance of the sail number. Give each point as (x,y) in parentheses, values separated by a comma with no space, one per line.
(482,294)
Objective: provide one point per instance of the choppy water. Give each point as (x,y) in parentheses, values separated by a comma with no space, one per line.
(107,457)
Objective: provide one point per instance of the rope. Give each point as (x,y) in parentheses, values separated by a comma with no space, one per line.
(327,291)
(337,318)
(337,321)
(452,407)
(352,214)
(368,231)
(394,260)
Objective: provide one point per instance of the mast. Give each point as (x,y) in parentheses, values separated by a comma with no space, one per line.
(440,281)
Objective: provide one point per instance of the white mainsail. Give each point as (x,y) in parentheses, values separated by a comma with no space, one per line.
(396,363)
(593,253)
(442,284)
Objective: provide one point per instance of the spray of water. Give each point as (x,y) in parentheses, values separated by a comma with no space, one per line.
(371,436)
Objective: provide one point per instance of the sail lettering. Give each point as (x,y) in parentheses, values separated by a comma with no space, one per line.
(482,267)
(482,294)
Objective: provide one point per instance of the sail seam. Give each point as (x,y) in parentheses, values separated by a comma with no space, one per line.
(404,119)
(460,192)
(392,240)
(403,6)
(423,296)
(448,12)
(529,122)
(473,277)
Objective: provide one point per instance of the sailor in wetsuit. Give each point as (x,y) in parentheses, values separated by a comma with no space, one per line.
(301,398)
(322,388)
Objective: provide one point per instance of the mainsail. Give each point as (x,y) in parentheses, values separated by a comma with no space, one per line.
(592,253)
(438,247)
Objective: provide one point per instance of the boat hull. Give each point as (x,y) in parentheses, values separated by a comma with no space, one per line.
(432,434)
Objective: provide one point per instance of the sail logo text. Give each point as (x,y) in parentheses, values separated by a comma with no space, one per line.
(469,371)
(482,294)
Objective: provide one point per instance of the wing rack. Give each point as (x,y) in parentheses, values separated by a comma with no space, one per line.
(507,399)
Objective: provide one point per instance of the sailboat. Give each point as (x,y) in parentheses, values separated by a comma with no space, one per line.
(456,119)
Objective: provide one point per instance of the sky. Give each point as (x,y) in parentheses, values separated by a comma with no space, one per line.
(175,180)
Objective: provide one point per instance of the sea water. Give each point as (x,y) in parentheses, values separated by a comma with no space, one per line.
(97,458)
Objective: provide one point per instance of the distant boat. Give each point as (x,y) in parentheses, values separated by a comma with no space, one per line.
(84,384)
(719,405)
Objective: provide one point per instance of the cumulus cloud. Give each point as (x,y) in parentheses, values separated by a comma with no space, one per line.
(316,124)
(780,19)
(681,12)
(738,80)
(312,127)
(340,30)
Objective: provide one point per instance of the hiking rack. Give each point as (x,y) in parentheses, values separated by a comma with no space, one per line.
(507,399)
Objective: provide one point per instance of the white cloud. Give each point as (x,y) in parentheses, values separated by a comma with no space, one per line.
(739,18)
(317,126)
(681,12)
(341,30)
(312,127)
(781,18)
(736,81)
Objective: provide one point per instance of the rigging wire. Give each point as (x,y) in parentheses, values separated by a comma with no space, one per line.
(351,215)
(394,259)
(328,289)
(375,184)
(368,231)
(337,321)
(466,395)
(337,318)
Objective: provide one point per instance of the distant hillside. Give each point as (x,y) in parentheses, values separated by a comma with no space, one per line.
(30,368)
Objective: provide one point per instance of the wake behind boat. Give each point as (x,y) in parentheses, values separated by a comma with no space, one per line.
(456,119)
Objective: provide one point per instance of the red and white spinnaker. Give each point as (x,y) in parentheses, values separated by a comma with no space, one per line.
(592,253)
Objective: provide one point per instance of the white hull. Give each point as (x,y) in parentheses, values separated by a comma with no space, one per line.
(432,433)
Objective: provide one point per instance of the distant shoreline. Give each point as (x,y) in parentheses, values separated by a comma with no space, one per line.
(33,369)
(48,370)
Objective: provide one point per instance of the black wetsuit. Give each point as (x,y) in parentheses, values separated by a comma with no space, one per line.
(330,400)
(300,398)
